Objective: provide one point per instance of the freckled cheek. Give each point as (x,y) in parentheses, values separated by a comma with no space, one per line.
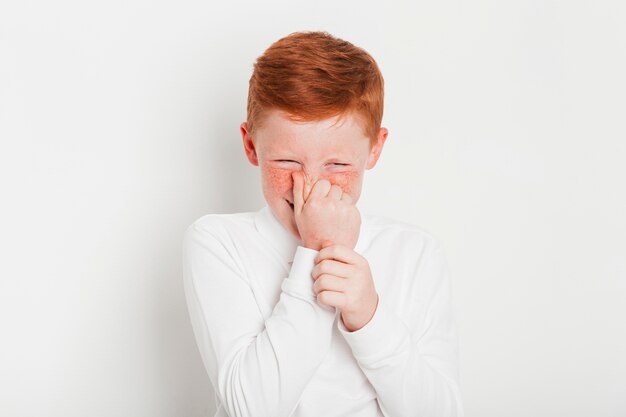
(277,181)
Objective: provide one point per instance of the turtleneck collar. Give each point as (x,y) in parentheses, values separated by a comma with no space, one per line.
(280,238)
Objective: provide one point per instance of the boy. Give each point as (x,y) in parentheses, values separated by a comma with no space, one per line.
(305,308)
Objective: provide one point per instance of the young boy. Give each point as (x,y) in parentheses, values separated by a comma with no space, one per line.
(306,307)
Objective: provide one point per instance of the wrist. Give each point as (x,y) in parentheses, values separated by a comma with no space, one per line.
(312,246)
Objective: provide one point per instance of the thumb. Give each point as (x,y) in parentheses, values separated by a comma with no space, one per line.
(298,199)
(308,186)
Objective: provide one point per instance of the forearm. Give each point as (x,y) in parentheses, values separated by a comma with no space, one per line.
(409,377)
(258,367)
(267,377)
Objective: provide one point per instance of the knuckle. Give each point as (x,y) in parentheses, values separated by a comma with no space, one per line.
(321,281)
(316,283)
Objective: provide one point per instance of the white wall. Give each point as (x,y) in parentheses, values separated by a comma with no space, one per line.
(119,126)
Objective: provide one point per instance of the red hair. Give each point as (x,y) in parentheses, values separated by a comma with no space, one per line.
(313,76)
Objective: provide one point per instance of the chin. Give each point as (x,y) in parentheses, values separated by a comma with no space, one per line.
(291,227)
(289,223)
(284,215)
(296,235)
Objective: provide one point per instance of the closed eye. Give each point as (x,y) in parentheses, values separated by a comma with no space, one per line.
(337,164)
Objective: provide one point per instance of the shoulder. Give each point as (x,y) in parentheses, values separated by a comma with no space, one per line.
(382,228)
(223,221)
(221,226)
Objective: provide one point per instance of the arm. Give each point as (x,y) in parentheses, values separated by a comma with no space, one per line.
(413,370)
(258,368)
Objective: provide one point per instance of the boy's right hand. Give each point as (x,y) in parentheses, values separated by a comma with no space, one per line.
(325,213)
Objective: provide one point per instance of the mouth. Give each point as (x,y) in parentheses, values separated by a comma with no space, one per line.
(290,203)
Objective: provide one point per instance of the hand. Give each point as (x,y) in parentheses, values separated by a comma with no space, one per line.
(324,213)
(343,279)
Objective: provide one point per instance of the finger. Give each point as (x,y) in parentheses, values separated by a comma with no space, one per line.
(347,198)
(308,185)
(332,298)
(298,199)
(339,253)
(332,267)
(327,282)
(320,189)
(335,192)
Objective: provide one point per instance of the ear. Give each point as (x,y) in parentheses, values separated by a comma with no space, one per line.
(248,144)
(377,148)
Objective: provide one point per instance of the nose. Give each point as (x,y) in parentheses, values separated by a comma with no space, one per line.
(308,176)
(311,178)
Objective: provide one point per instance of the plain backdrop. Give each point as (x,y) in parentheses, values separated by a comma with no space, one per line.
(119,126)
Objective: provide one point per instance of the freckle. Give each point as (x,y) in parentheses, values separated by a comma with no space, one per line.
(279,177)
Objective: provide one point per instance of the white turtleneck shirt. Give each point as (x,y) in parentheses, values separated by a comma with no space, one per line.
(271,350)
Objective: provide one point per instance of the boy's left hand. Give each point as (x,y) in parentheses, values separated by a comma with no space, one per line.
(343,280)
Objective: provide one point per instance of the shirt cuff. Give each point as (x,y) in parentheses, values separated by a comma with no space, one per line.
(384,336)
(300,282)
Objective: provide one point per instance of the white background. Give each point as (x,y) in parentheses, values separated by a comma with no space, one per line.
(119,125)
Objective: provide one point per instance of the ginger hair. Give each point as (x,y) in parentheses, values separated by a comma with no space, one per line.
(313,76)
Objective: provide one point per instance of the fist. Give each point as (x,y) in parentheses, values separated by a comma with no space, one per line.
(324,212)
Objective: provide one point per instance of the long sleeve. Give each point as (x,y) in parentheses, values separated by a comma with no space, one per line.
(258,367)
(413,370)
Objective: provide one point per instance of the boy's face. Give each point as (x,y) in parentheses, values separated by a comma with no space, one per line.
(339,153)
